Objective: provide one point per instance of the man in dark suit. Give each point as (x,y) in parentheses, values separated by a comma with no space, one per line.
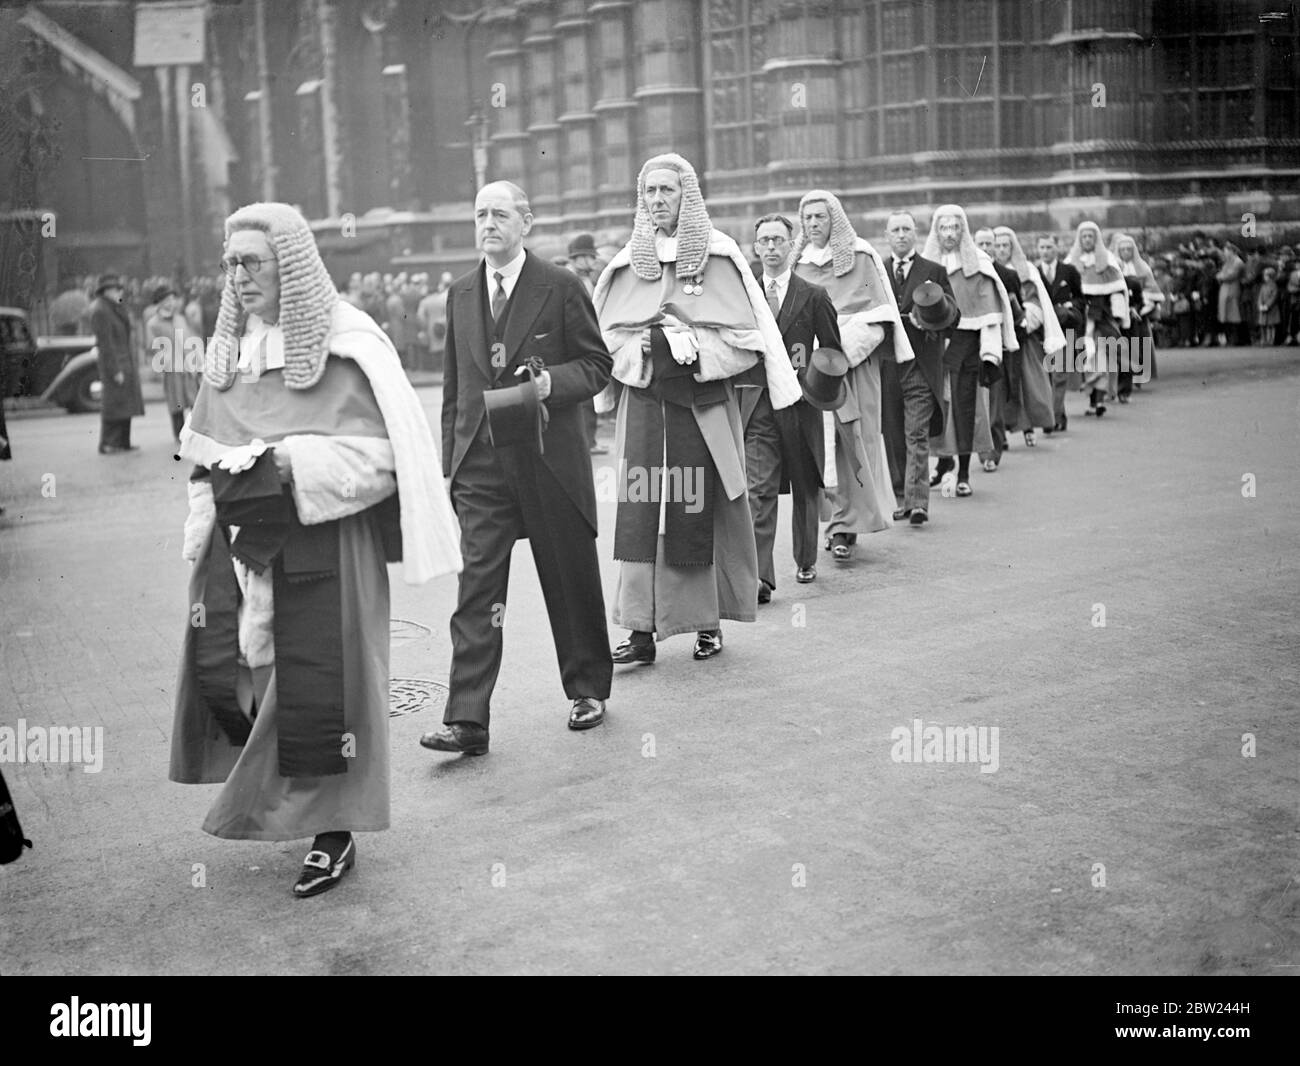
(511,309)
(912,392)
(787,447)
(1065,290)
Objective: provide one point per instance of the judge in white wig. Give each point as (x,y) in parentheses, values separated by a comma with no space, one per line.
(1131,264)
(986,327)
(1106,307)
(683,315)
(1042,342)
(828,252)
(314,466)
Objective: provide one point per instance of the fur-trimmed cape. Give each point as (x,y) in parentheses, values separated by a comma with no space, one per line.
(740,334)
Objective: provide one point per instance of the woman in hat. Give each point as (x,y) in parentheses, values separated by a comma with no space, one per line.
(172,348)
(118,375)
(314,467)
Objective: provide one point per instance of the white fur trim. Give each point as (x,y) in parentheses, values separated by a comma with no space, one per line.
(430,532)
(334,477)
(860,337)
(201,519)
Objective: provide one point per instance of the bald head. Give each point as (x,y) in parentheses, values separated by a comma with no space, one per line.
(502,219)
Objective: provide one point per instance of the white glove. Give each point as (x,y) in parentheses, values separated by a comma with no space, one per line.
(682,344)
(239,459)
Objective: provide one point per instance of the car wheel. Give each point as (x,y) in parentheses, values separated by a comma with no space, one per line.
(86,392)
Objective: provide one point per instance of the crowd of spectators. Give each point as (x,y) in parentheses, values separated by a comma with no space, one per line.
(1215,296)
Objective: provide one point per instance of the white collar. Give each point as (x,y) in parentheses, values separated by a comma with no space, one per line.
(782,280)
(256,334)
(665,247)
(510,270)
(817,256)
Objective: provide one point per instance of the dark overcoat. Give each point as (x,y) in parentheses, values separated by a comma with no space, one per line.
(112,328)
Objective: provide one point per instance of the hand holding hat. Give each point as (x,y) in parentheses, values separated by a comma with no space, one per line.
(933,310)
(543,379)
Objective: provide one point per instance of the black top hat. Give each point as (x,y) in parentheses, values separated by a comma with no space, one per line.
(933,308)
(582,244)
(515,415)
(824,379)
(107,281)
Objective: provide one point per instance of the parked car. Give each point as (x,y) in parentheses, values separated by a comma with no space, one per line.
(58,370)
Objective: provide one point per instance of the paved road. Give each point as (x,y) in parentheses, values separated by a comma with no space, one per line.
(771,831)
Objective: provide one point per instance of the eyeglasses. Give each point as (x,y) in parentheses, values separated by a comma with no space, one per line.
(772,242)
(251,263)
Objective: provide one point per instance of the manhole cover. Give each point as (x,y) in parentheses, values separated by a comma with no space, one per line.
(406,695)
(403,632)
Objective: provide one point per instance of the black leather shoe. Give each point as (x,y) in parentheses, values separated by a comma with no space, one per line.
(841,546)
(468,738)
(707,645)
(634,651)
(805,576)
(902,513)
(322,870)
(587,712)
(920,516)
(764,593)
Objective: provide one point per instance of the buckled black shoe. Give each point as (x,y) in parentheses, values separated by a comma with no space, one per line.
(634,651)
(919,516)
(707,644)
(902,513)
(764,592)
(587,712)
(321,870)
(806,575)
(466,738)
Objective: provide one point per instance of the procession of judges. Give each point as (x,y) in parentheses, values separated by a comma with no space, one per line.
(824,371)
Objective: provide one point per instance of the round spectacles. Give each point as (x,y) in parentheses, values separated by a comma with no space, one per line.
(772,242)
(251,263)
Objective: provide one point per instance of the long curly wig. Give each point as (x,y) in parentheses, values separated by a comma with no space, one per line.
(693,226)
(843,240)
(307,300)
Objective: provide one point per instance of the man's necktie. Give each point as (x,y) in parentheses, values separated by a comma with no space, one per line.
(772,301)
(498,297)
(898,273)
